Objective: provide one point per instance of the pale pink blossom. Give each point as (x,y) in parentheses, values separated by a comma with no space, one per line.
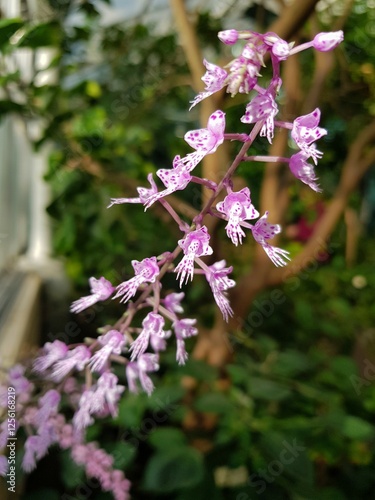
(153,325)
(264,231)
(113,342)
(183,329)
(174,179)
(52,352)
(137,370)
(214,78)
(76,359)
(205,140)
(217,277)
(262,108)
(101,289)
(146,271)
(305,132)
(303,170)
(144,194)
(195,244)
(237,207)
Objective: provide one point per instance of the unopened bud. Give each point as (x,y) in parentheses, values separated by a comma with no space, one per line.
(328,41)
(229,37)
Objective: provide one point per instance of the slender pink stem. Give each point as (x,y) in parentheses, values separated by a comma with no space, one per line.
(181,224)
(205,182)
(268,159)
(287,125)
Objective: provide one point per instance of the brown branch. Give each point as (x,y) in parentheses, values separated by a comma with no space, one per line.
(212,165)
(293,18)
(189,43)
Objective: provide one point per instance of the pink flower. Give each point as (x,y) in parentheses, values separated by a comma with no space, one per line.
(138,371)
(262,108)
(101,289)
(113,343)
(36,448)
(183,329)
(99,464)
(328,41)
(53,351)
(21,384)
(76,359)
(145,271)
(33,452)
(172,302)
(214,78)
(195,244)
(264,231)
(174,179)
(82,417)
(48,405)
(303,170)
(107,392)
(205,140)
(144,194)
(153,325)
(220,283)
(305,131)
(237,207)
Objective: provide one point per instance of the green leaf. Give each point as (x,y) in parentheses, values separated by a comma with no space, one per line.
(167,437)
(173,470)
(291,457)
(267,389)
(166,398)
(131,410)
(238,373)
(72,474)
(344,366)
(10,77)
(91,122)
(10,106)
(41,35)
(123,454)
(290,363)
(7,28)
(213,403)
(199,370)
(331,494)
(45,493)
(356,428)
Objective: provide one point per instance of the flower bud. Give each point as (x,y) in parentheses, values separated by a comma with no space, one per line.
(229,37)
(328,41)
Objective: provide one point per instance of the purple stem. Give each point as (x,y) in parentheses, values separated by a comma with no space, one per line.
(268,159)
(254,132)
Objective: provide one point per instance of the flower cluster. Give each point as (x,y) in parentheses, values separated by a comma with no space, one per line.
(83,374)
